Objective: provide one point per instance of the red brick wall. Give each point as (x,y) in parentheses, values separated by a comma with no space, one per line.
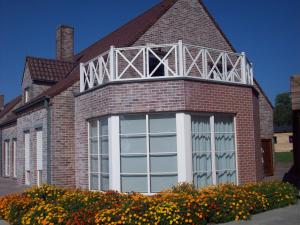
(62,138)
(172,95)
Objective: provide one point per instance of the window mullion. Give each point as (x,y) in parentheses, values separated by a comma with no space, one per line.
(213,149)
(148,154)
(99,160)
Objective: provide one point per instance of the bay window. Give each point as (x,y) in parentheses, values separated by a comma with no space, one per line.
(98,155)
(213,150)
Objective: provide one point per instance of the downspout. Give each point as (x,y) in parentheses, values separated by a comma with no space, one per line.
(1,162)
(48,109)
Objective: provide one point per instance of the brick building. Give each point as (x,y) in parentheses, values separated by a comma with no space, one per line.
(163,99)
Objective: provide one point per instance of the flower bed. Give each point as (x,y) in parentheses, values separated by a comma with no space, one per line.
(180,205)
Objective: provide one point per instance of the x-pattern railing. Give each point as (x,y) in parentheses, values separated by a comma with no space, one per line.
(168,60)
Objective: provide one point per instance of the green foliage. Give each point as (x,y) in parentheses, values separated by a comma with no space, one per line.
(283,110)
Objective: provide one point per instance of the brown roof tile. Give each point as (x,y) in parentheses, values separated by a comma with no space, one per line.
(48,70)
(7,114)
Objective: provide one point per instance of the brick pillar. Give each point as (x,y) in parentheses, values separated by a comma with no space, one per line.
(65,43)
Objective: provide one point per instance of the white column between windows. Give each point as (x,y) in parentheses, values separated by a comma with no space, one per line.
(213,149)
(114,153)
(184,147)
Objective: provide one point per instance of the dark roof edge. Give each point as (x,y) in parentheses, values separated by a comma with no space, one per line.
(10,105)
(263,93)
(8,122)
(30,104)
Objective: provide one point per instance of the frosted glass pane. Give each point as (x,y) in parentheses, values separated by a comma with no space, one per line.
(224,142)
(162,123)
(94,163)
(94,145)
(225,161)
(133,164)
(224,124)
(202,179)
(163,164)
(104,164)
(104,182)
(159,183)
(94,182)
(226,177)
(104,145)
(163,144)
(133,144)
(200,124)
(93,128)
(104,127)
(201,142)
(134,183)
(202,162)
(133,124)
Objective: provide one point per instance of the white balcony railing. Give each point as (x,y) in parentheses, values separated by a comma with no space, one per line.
(166,60)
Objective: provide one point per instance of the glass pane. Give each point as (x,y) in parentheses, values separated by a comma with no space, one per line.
(104,164)
(133,144)
(202,179)
(93,128)
(94,164)
(226,176)
(200,124)
(133,124)
(104,127)
(104,182)
(224,124)
(163,164)
(104,145)
(159,123)
(159,183)
(134,183)
(94,182)
(224,142)
(133,164)
(202,162)
(94,146)
(225,160)
(201,142)
(163,144)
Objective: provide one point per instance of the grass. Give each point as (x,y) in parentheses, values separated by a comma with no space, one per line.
(284,157)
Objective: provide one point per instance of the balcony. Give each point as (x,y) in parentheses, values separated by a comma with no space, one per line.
(168,61)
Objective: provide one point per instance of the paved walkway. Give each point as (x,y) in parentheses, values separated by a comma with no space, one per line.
(284,216)
(8,186)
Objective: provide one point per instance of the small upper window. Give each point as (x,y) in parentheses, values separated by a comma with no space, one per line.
(275,140)
(26,95)
(290,139)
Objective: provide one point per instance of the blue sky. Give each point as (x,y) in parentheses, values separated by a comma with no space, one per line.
(268,31)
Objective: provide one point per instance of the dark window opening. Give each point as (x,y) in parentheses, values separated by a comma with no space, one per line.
(275,140)
(290,139)
(154,61)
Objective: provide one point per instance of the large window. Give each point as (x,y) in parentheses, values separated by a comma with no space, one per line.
(39,155)
(27,157)
(98,155)
(148,152)
(213,150)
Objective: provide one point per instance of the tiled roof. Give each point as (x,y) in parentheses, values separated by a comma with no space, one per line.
(48,70)
(6,115)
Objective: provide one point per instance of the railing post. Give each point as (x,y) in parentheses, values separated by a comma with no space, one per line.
(82,77)
(243,68)
(112,63)
(251,73)
(180,59)
(204,63)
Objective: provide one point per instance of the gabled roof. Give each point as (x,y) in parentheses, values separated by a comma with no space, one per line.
(48,70)
(124,36)
(7,115)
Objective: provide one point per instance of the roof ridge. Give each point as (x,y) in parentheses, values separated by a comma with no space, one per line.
(49,59)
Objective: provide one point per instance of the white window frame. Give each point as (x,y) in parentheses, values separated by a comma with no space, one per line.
(213,150)
(99,155)
(39,155)
(148,154)
(7,158)
(27,156)
(26,94)
(14,157)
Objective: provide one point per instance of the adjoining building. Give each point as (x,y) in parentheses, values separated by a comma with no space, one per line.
(161,100)
(283,138)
